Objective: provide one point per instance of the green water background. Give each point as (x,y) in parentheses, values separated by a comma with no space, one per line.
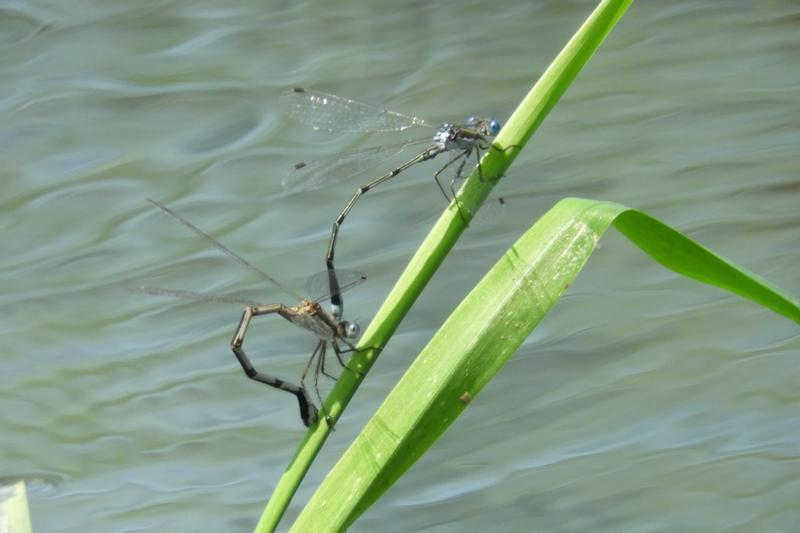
(643,402)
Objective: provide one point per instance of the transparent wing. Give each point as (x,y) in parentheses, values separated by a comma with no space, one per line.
(493,211)
(192,295)
(310,175)
(318,287)
(224,249)
(328,112)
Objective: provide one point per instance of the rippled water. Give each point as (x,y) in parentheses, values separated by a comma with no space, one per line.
(644,402)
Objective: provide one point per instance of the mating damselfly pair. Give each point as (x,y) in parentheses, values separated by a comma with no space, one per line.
(328,112)
(332,113)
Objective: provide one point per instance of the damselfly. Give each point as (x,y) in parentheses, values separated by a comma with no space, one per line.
(307,313)
(328,112)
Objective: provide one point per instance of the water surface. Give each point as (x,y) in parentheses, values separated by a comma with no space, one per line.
(643,402)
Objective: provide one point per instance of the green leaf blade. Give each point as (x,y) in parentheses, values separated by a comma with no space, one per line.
(487,328)
(680,254)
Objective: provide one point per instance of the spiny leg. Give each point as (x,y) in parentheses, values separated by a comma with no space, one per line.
(504,150)
(436,175)
(501,200)
(308,363)
(322,369)
(465,154)
(478,163)
(478,154)
(488,146)
(319,354)
(459,173)
(351,347)
(308,412)
(320,366)
(480,178)
(318,370)
(338,351)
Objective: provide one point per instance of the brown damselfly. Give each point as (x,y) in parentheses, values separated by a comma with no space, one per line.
(307,313)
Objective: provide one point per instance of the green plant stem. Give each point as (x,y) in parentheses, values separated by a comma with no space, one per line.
(441,239)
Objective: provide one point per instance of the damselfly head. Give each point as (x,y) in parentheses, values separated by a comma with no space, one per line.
(489,127)
(349,330)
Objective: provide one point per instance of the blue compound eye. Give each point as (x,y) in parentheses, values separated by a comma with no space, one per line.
(494,126)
